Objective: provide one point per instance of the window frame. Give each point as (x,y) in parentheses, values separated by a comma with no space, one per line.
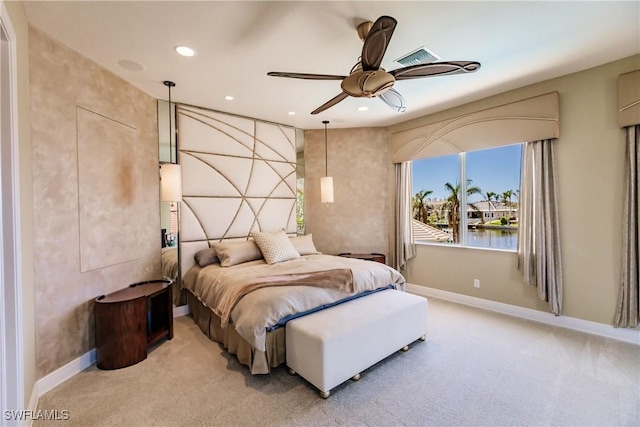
(464,220)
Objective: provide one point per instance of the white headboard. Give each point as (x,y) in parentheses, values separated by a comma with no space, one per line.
(238,176)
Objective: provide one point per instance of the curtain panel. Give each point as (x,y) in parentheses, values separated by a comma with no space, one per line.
(539,234)
(404,246)
(628,307)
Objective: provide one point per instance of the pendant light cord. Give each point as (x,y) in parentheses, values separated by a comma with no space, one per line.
(170,84)
(326,155)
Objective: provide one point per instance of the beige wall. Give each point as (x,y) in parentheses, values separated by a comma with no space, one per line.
(358,161)
(67,151)
(590,156)
(21,28)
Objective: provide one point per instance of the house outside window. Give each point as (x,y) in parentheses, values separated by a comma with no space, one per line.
(485,182)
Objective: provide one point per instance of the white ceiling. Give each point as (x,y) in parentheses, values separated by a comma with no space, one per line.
(237,43)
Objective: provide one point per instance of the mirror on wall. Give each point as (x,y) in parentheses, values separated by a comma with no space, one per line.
(169,210)
(168,150)
(300,181)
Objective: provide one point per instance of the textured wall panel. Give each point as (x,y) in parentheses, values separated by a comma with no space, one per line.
(108,191)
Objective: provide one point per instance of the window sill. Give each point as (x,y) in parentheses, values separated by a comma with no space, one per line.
(454,245)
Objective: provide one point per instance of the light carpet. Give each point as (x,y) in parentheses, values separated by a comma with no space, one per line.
(476,368)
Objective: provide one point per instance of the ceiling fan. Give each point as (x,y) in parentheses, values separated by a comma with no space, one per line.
(368,79)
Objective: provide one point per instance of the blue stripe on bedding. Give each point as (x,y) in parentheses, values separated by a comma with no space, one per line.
(285,319)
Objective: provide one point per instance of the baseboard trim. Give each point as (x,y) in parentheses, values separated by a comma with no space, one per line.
(621,334)
(62,374)
(33,404)
(183,310)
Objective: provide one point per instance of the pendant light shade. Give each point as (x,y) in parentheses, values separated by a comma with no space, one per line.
(326,182)
(326,189)
(171,182)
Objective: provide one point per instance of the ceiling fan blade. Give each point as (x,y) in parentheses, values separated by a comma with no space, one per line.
(333,101)
(375,45)
(435,69)
(394,100)
(306,76)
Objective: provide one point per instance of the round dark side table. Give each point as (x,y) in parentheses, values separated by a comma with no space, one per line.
(130,320)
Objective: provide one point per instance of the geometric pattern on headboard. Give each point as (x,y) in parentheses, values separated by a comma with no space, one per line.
(238,176)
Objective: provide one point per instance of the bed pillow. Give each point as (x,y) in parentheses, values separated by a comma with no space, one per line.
(275,246)
(304,245)
(205,257)
(233,253)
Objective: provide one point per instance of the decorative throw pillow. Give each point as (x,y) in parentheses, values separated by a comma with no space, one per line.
(304,245)
(205,257)
(236,252)
(275,246)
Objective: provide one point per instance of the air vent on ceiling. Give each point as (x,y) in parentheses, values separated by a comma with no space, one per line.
(418,56)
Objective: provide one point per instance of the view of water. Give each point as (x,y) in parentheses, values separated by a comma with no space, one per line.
(489,238)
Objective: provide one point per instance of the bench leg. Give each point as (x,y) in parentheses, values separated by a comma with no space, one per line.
(292,372)
(405,348)
(423,338)
(356,377)
(325,394)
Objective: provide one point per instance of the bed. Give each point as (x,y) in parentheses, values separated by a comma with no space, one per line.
(238,179)
(245,305)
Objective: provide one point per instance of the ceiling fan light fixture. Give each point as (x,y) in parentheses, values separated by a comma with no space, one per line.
(394,100)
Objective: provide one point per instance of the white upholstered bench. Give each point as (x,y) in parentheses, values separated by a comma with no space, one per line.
(333,345)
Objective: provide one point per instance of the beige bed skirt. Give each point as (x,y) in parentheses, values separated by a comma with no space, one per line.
(259,362)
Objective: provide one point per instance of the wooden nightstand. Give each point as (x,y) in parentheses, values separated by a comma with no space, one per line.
(130,320)
(370,257)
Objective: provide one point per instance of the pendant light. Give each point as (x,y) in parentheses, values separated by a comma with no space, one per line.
(171,191)
(326,182)
(170,173)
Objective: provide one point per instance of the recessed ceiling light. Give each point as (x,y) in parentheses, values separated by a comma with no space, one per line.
(363,108)
(292,113)
(130,65)
(185,51)
(229,98)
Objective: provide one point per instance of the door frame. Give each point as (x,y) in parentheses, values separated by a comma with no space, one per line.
(11,340)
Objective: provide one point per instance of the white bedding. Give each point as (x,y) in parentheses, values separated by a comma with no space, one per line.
(263,308)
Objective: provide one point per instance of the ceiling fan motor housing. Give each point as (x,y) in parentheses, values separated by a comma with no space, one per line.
(368,84)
